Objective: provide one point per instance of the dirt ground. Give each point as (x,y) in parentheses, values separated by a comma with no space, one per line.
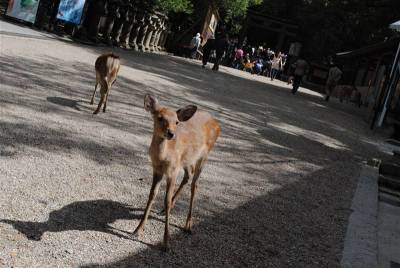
(275,192)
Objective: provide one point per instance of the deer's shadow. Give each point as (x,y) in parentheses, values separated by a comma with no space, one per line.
(91,215)
(65,102)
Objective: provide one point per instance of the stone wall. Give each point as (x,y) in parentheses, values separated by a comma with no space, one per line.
(130,24)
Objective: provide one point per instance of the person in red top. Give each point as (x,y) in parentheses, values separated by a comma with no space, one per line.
(238,57)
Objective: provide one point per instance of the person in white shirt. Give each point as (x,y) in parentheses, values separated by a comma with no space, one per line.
(334,76)
(194,45)
(276,66)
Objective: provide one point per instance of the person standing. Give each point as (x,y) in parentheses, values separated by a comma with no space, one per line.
(334,76)
(276,66)
(258,67)
(207,48)
(221,45)
(300,69)
(194,45)
(238,58)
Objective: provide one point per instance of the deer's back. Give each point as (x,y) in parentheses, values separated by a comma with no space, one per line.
(107,64)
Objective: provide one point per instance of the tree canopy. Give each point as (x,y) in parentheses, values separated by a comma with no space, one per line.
(231,8)
(185,6)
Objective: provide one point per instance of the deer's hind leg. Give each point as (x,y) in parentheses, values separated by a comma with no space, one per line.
(112,81)
(188,176)
(103,92)
(95,87)
(197,172)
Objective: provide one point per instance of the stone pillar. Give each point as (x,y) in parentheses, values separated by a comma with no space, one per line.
(139,21)
(97,10)
(149,33)
(119,23)
(164,39)
(53,16)
(143,31)
(127,28)
(163,27)
(112,14)
(43,14)
(156,43)
(160,39)
(155,34)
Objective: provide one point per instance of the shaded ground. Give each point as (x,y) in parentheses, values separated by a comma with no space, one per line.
(276,191)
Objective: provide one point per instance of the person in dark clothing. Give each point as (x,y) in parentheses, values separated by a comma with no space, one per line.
(208,47)
(221,45)
(300,69)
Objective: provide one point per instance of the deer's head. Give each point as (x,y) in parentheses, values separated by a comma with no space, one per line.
(165,119)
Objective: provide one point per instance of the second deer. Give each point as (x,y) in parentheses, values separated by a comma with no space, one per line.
(107,67)
(181,140)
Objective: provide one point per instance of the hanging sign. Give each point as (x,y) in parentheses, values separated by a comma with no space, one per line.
(71,10)
(23,9)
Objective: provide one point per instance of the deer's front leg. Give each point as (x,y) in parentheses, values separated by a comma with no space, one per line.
(168,205)
(153,193)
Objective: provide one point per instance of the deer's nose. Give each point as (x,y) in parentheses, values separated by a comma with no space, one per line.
(170,134)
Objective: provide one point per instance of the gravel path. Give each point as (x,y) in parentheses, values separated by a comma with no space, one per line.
(276,191)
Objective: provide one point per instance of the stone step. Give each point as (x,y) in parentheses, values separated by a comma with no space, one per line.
(393,200)
(390,182)
(383,189)
(390,168)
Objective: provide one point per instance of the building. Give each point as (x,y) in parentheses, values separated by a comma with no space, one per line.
(368,68)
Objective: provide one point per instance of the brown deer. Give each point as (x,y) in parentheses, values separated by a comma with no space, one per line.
(181,140)
(107,67)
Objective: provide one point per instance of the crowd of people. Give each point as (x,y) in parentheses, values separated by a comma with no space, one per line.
(260,61)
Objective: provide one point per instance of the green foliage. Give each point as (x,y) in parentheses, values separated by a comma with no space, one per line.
(230,8)
(185,6)
(236,8)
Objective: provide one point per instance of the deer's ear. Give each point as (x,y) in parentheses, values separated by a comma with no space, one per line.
(186,113)
(150,103)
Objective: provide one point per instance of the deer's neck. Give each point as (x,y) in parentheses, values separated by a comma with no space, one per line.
(159,148)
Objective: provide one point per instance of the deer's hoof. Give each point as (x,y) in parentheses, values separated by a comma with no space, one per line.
(96,112)
(188,227)
(91,102)
(188,230)
(137,233)
(164,247)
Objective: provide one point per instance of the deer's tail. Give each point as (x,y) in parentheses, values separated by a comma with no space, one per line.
(113,64)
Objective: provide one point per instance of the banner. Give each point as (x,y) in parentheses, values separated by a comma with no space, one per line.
(23,9)
(71,10)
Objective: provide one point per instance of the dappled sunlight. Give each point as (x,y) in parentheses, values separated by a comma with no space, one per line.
(314,104)
(311,135)
(271,180)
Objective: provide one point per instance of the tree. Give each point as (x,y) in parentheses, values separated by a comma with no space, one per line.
(185,6)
